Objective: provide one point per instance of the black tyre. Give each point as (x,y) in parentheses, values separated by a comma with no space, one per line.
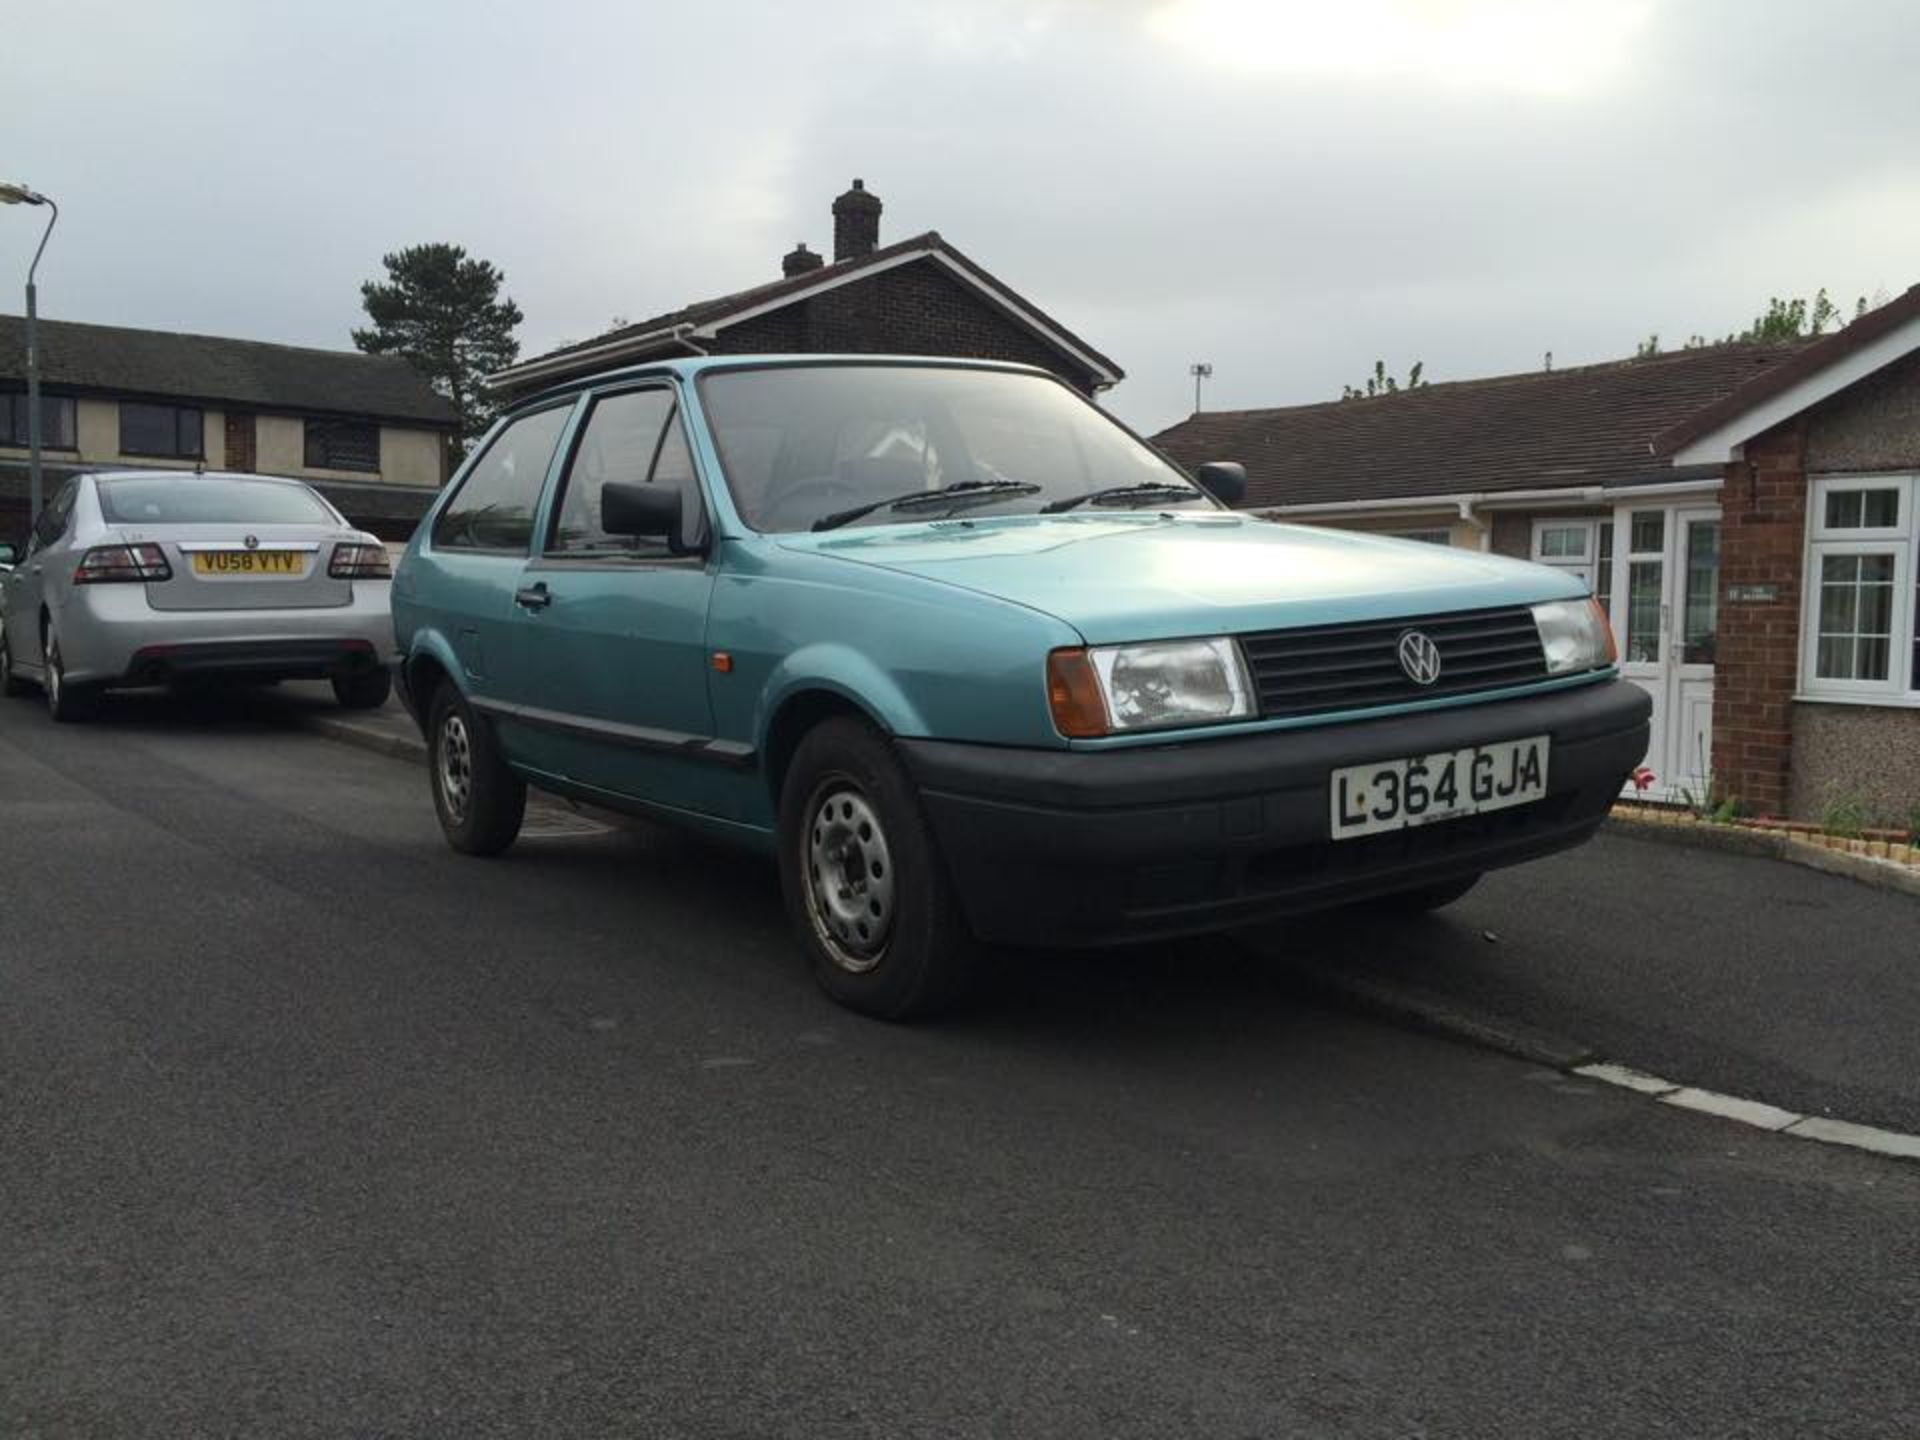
(866,889)
(480,801)
(363,689)
(11,685)
(1423,898)
(64,702)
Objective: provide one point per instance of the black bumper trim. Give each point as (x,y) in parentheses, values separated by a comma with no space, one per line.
(284,659)
(1097,846)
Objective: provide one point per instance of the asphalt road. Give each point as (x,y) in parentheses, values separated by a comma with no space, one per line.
(311,1127)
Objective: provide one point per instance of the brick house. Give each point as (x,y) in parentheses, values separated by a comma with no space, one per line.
(1747,513)
(918,296)
(367,431)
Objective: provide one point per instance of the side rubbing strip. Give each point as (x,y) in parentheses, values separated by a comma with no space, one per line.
(730,753)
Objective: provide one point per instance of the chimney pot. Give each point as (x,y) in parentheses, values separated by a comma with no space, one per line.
(799,260)
(856,223)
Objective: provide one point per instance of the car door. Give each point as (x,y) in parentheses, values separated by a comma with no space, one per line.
(471,560)
(26,583)
(612,629)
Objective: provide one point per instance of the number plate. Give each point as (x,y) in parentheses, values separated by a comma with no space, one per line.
(249,562)
(1393,794)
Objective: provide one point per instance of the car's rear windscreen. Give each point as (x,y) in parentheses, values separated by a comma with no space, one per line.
(206,500)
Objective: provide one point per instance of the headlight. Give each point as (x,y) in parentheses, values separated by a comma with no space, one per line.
(1113,688)
(1575,635)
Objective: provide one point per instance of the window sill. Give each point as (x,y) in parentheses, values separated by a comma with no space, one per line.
(1890,701)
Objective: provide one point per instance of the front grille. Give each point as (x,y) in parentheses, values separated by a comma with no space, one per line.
(1354,667)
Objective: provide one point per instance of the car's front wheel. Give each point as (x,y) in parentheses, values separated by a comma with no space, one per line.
(866,889)
(64,701)
(363,689)
(479,800)
(11,685)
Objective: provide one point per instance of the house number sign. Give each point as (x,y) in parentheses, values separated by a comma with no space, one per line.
(1752,594)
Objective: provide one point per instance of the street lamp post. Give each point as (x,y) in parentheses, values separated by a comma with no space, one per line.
(21,195)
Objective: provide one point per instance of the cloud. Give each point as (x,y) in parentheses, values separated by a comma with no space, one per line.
(1289,191)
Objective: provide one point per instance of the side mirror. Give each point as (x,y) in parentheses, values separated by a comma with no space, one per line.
(1225,480)
(9,557)
(646,512)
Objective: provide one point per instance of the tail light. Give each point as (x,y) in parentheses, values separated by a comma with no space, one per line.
(122,565)
(360,562)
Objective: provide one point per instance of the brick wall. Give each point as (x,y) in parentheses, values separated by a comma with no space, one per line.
(1512,534)
(913,309)
(242,452)
(1763,508)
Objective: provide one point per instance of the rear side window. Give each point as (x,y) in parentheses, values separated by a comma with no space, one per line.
(493,508)
(635,438)
(209,500)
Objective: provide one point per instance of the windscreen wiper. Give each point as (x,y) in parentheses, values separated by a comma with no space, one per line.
(1144,492)
(957,493)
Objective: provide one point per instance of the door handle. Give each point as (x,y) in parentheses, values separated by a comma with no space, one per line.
(533,597)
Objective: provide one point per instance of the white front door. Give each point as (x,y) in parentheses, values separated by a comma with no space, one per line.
(1665,591)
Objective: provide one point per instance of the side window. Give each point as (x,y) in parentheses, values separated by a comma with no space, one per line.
(54,516)
(632,438)
(493,509)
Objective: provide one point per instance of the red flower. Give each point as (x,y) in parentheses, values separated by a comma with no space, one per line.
(1642,778)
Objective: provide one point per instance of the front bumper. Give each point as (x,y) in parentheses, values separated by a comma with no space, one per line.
(1084,847)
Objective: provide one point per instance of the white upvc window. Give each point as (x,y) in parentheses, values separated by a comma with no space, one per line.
(1857,639)
(1581,546)
(1436,535)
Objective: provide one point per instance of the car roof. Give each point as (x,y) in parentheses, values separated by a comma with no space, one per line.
(194,475)
(691,366)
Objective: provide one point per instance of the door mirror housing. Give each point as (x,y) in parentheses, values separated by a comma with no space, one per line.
(9,555)
(645,512)
(1225,480)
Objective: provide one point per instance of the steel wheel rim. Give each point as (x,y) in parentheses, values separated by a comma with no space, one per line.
(456,766)
(848,869)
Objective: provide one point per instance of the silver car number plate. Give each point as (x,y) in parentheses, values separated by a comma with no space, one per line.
(1394,794)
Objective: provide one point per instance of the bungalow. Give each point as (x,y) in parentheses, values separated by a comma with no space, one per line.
(1747,514)
(367,431)
(918,296)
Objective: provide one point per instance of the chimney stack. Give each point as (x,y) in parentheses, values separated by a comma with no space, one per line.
(856,223)
(799,260)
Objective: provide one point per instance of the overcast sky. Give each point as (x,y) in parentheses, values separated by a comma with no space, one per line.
(1286,190)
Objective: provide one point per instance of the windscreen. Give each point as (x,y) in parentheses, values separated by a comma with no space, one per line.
(804,445)
(209,500)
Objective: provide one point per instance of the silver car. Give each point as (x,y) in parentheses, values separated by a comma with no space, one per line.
(150,578)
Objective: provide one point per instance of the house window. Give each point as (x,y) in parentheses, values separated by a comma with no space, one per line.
(1858,630)
(1563,541)
(343,445)
(175,432)
(1438,536)
(56,421)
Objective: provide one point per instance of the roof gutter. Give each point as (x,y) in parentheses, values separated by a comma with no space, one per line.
(574,359)
(1464,503)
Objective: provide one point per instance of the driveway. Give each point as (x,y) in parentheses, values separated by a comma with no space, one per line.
(314,1128)
(1743,975)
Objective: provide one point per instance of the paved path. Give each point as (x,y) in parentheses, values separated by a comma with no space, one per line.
(314,1128)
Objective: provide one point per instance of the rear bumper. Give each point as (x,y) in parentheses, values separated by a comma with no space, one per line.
(1065,847)
(110,636)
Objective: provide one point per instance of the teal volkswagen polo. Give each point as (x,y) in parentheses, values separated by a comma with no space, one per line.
(979,665)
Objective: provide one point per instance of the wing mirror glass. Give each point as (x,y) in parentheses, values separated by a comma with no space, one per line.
(1225,480)
(9,555)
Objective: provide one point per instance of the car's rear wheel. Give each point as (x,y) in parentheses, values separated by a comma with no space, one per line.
(1423,898)
(479,800)
(866,888)
(11,685)
(363,689)
(65,702)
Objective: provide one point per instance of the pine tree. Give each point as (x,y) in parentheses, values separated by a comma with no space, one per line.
(445,313)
